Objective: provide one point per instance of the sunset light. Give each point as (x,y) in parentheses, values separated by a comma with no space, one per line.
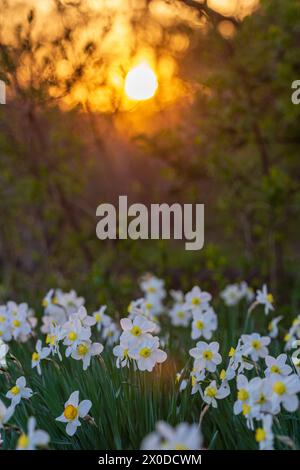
(141,83)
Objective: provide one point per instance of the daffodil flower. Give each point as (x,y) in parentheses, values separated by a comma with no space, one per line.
(19,391)
(73,411)
(183,437)
(33,438)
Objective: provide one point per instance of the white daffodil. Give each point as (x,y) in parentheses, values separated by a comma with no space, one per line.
(39,354)
(100,317)
(136,329)
(5,413)
(3,352)
(147,353)
(179,315)
(69,301)
(273,327)
(255,346)
(85,351)
(206,355)
(204,323)
(75,334)
(261,394)
(183,437)
(243,394)
(82,315)
(73,411)
(53,339)
(263,297)
(153,287)
(277,366)
(197,377)
(212,393)
(237,362)
(19,315)
(19,391)
(196,299)
(121,351)
(34,437)
(110,333)
(284,392)
(231,295)
(246,291)
(264,435)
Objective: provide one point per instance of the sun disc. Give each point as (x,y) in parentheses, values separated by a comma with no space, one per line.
(141,83)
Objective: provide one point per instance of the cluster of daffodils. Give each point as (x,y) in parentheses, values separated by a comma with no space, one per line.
(16,322)
(260,398)
(194,310)
(75,334)
(138,345)
(263,386)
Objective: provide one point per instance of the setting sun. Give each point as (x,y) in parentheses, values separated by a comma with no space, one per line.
(141,83)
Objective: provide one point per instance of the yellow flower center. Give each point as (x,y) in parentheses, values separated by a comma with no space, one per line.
(55,300)
(295,321)
(82,349)
(180,314)
(223,374)
(149,305)
(15,390)
(2,319)
(275,369)
(35,356)
(261,400)
(199,325)
(270,298)
(151,290)
(72,336)
(210,392)
(125,352)
(231,352)
(279,388)
(196,301)
(246,409)
(207,355)
(256,344)
(1,333)
(287,337)
(260,435)
(98,317)
(180,447)
(243,394)
(45,303)
(145,352)
(270,326)
(16,323)
(136,331)
(23,441)
(50,339)
(70,412)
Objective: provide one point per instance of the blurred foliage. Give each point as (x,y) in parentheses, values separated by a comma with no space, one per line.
(247,144)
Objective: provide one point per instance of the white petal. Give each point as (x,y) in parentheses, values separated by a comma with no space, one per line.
(84,408)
